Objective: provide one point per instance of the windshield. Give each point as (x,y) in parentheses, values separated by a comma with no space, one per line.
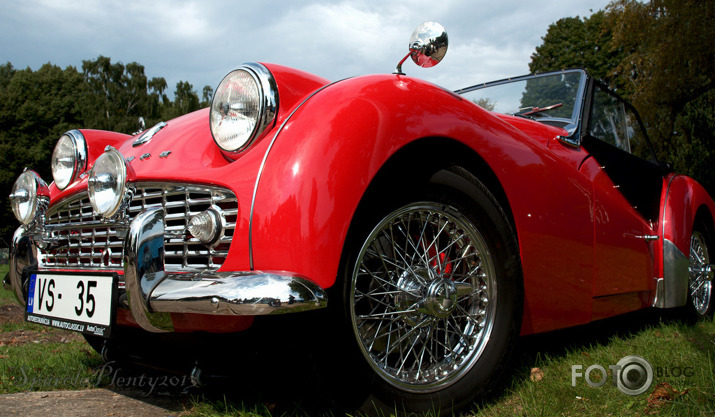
(550,98)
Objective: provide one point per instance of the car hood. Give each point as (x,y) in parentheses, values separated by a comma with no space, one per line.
(184,150)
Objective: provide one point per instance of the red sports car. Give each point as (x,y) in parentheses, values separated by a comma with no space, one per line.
(438,225)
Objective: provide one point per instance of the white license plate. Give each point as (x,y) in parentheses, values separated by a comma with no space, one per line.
(81,303)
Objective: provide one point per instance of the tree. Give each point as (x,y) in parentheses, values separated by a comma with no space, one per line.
(35,109)
(185,101)
(670,67)
(6,73)
(574,42)
(121,93)
(660,56)
(207,95)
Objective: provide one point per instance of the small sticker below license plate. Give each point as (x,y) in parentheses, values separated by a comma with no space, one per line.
(82,303)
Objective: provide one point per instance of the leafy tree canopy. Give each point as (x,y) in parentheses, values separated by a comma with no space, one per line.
(37,107)
(660,55)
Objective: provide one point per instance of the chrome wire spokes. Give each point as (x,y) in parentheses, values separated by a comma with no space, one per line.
(423,296)
(700,281)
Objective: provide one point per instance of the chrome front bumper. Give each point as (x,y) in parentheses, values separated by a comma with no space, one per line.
(154,294)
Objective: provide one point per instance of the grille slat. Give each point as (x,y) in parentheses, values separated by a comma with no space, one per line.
(81,239)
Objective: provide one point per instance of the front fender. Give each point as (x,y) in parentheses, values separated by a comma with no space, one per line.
(324,158)
(329,151)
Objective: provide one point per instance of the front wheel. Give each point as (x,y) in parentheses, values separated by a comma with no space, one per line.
(435,299)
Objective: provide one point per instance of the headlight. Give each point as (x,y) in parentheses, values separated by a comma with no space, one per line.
(107,182)
(243,106)
(28,193)
(69,158)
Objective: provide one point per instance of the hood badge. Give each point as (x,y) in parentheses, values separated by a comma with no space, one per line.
(146,137)
(147,155)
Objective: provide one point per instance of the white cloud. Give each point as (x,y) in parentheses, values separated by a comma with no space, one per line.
(199,41)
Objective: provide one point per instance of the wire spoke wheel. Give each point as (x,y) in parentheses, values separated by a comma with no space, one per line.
(423,297)
(700,281)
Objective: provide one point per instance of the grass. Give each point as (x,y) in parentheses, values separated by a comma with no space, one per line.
(35,358)
(6,297)
(681,353)
(682,356)
(49,366)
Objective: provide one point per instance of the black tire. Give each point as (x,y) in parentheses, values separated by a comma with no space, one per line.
(433,296)
(701,303)
(96,342)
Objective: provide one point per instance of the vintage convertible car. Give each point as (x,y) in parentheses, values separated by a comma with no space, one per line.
(436,226)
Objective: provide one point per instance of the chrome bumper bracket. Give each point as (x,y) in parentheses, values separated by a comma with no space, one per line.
(153,293)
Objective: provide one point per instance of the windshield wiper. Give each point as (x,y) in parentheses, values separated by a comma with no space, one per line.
(528,111)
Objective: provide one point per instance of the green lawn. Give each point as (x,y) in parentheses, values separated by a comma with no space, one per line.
(682,355)
(5,296)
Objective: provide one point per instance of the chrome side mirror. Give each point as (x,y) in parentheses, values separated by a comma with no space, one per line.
(428,45)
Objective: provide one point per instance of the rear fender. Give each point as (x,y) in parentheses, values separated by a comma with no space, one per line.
(685,202)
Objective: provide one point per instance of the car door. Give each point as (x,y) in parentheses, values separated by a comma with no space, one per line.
(627,186)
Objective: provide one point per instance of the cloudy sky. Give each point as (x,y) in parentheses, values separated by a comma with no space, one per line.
(200,41)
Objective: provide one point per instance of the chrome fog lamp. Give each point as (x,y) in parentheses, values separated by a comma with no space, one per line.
(244,105)
(29,193)
(206,226)
(69,158)
(107,182)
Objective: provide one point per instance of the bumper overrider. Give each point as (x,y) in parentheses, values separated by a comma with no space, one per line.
(154,293)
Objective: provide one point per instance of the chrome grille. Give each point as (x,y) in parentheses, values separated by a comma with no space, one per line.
(78,238)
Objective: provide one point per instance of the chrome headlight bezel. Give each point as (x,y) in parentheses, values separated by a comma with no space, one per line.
(266,108)
(30,197)
(107,183)
(69,158)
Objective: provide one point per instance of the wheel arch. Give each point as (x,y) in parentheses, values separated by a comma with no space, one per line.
(431,154)
(705,216)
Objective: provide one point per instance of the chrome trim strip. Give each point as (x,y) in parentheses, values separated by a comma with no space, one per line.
(262,166)
(675,277)
(153,293)
(658,298)
(149,134)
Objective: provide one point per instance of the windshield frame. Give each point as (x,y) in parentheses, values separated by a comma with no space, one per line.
(577,113)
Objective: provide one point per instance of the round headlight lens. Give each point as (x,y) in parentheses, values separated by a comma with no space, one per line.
(25,193)
(107,183)
(235,111)
(68,158)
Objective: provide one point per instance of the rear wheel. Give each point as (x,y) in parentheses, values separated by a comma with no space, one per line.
(434,298)
(700,274)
